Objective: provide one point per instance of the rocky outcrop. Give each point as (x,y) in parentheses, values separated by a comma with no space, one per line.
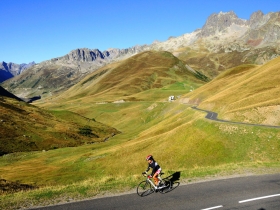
(255,19)
(95,55)
(217,23)
(84,55)
(263,30)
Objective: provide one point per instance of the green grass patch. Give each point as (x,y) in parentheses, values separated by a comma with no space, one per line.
(179,137)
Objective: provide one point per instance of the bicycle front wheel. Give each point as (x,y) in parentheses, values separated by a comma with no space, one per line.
(144,189)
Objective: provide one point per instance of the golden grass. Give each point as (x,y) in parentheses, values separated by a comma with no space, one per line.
(125,80)
(178,136)
(241,89)
(25,127)
(174,133)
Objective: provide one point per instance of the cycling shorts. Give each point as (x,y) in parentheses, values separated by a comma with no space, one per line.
(158,171)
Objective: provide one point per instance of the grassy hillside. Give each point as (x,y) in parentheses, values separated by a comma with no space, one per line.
(245,93)
(132,80)
(180,138)
(5,93)
(43,79)
(210,63)
(216,62)
(25,127)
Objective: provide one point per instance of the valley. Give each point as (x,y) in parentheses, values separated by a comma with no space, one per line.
(89,134)
(178,136)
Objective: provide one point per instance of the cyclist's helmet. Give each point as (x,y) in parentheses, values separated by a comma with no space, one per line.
(149,157)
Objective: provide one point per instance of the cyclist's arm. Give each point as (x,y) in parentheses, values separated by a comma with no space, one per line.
(148,168)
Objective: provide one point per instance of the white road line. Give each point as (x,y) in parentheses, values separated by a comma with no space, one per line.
(215,207)
(259,198)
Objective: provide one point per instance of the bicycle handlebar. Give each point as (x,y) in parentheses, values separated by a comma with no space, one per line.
(146,175)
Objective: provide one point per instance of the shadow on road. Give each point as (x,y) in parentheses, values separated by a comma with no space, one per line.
(174,180)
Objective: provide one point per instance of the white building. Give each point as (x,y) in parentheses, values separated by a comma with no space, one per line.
(171,98)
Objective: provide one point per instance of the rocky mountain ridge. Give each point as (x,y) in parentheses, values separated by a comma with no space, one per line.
(222,32)
(223,42)
(9,70)
(226,28)
(92,59)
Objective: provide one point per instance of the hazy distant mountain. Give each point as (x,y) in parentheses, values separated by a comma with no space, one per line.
(9,70)
(225,41)
(59,74)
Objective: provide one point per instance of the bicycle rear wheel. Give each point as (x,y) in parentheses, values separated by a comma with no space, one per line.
(144,189)
(167,187)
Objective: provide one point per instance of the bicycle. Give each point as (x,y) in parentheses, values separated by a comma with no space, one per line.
(147,187)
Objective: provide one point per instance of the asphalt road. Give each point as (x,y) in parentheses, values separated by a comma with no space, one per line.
(214,116)
(246,193)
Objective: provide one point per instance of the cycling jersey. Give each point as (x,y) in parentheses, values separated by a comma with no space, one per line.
(155,166)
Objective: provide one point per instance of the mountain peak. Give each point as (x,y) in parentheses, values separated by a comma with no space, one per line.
(255,18)
(219,22)
(84,55)
(230,13)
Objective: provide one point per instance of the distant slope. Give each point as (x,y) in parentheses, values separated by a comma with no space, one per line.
(125,79)
(43,79)
(4,92)
(4,75)
(24,127)
(58,74)
(248,93)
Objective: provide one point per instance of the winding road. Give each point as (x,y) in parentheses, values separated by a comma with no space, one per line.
(214,116)
(245,193)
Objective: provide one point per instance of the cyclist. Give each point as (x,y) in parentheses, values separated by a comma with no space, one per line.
(155,170)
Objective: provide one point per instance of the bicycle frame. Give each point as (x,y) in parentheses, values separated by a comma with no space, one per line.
(146,187)
(151,182)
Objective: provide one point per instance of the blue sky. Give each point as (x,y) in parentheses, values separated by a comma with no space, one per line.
(38,30)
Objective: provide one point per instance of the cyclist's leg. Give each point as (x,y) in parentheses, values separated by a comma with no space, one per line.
(155,177)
